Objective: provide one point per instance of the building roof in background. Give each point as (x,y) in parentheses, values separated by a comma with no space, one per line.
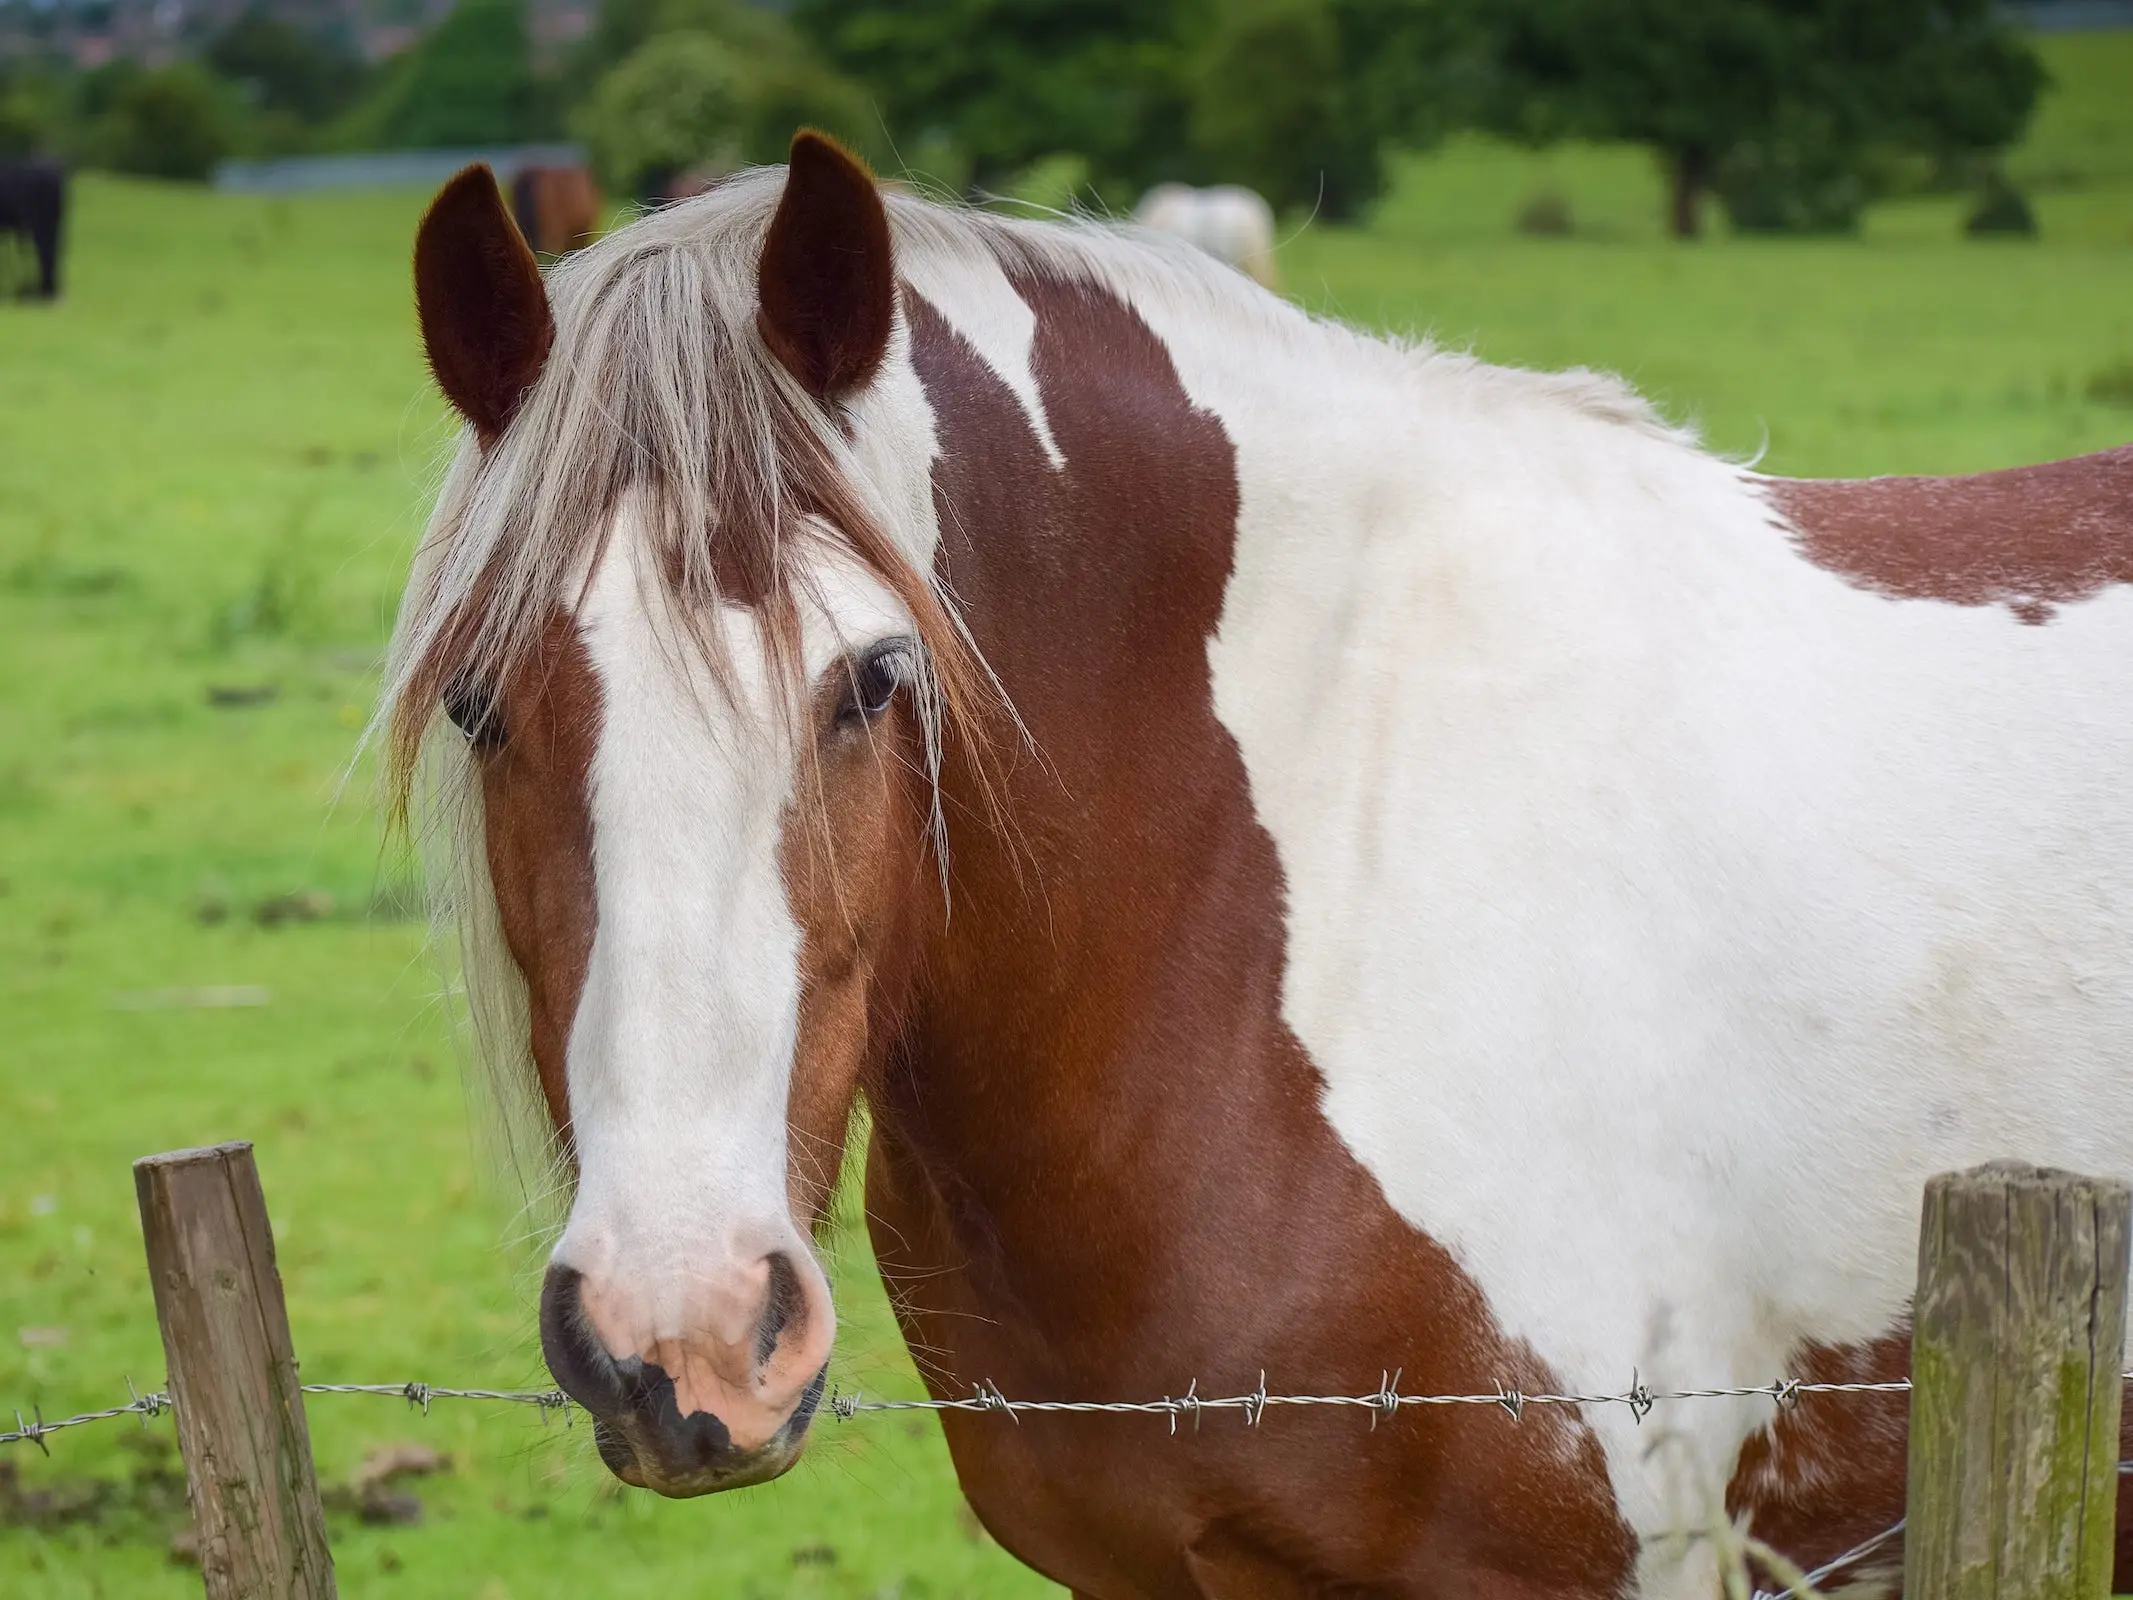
(386,169)
(2074,16)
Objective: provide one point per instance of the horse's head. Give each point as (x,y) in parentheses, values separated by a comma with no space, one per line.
(698,681)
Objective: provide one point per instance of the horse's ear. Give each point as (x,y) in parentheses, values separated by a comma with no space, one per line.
(826,281)
(485,318)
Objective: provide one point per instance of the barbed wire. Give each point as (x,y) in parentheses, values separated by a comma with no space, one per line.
(141,1405)
(1385,1401)
(421,1394)
(154,1404)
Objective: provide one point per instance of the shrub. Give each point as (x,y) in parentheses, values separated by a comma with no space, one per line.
(169,123)
(1546,215)
(2112,385)
(2001,209)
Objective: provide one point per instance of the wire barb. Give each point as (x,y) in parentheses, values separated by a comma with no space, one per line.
(1386,1402)
(1639,1399)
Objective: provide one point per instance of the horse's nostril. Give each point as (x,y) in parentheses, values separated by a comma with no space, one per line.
(573,1352)
(785,1303)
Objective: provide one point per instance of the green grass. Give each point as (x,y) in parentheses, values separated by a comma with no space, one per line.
(213,459)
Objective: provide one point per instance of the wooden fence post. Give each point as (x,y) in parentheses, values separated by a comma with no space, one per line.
(233,1381)
(2017,1344)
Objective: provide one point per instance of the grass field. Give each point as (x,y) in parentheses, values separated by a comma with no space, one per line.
(213,459)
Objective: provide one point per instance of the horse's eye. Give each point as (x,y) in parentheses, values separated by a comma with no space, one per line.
(875,678)
(471,705)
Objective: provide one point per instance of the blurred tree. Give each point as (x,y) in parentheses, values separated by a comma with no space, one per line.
(674,103)
(25,129)
(750,32)
(167,123)
(469,82)
(680,84)
(694,99)
(1294,97)
(1007,82)
(282,68)
(1413,69)
(1270,107)
(1778,105)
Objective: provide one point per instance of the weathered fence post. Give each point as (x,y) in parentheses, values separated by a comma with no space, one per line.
(2017,1344)
(233,1379)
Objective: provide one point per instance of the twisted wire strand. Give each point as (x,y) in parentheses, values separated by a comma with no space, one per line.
(1385,1401)
(154,1404)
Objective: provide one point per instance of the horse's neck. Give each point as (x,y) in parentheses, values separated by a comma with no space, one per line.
(1102,1007)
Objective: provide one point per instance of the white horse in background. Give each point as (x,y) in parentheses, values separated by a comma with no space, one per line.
(1230,222)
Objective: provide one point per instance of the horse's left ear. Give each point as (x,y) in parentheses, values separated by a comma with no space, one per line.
(485,318)
(826,283)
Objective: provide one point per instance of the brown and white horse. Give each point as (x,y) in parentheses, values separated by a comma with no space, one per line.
(557,209)
(1322,856)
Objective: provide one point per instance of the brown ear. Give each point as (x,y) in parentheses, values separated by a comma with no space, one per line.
(485,317)
(826,281)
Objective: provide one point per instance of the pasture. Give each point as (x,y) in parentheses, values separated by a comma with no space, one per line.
(214,457)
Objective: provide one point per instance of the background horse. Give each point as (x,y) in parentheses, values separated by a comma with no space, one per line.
(1383,862)
(1231,223)
(557,208)
(33,197)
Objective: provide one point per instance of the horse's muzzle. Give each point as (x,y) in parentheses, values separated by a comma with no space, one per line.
(638,1424)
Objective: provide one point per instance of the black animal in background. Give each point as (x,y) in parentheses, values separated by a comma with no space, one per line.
(33,199)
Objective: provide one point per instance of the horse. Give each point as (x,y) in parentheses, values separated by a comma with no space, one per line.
(1231,223)
(1322,857)
(33,200)
(557,208)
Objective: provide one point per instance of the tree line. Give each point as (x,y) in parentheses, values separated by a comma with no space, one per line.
(1792,114)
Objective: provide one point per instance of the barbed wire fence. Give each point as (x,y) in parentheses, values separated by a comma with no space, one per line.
(2046,1252)
(1381,1404)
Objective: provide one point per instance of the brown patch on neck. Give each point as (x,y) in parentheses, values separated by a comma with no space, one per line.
(537,830)
(1100,1167)
(2030,538)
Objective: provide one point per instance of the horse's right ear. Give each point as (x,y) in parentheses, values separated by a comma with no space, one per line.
(485,319)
